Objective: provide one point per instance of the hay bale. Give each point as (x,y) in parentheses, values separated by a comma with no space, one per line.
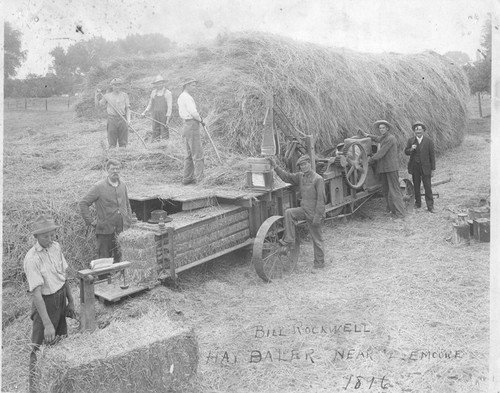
(327,92)
(149,354)
(139,247)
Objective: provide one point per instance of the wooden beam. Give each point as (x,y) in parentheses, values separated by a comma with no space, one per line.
(105,270)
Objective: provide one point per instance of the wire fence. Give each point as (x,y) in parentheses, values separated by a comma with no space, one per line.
(40,104)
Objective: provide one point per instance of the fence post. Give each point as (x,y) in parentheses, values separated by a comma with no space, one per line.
(479,104)
(45,104)
(68,100)
(25,103)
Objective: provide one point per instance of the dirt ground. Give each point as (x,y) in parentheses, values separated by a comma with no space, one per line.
(398,308)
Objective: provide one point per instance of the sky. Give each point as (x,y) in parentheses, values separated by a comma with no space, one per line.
(403,26)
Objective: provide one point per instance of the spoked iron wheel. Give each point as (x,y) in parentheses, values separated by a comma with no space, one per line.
(356,168)
(267,257)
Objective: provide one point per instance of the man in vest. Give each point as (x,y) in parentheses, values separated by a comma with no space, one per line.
(422,164)
(160,106)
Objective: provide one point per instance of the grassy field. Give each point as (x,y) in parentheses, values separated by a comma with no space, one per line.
(398,308)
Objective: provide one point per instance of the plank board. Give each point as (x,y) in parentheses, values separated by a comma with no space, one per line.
(183,194)
(113,293)
(115,267)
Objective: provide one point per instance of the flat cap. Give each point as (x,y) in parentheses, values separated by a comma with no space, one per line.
(304,158)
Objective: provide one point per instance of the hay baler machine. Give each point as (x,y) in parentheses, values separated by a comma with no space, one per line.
(349,180)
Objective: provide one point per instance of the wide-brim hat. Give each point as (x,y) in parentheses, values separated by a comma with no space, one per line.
(44,224)
(158,79)
(304,158)
(188,81)
(379,122)
(116,82)
(418,123)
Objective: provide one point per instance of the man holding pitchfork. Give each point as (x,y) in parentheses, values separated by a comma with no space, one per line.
(118,109)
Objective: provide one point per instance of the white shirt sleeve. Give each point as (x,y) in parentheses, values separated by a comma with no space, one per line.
(168,97)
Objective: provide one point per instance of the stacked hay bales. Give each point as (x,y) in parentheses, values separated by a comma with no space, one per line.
(329,93)
(149,354)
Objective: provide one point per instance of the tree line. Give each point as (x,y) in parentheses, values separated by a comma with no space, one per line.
(69,67)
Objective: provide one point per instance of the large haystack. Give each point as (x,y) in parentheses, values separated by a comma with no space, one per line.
(329,93)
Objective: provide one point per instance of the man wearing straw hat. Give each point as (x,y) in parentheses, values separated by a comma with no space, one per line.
(118,110)
(193,163)
(114,213)
(386,159)
(45,269)
(422,164)
(160,105)
(312,206)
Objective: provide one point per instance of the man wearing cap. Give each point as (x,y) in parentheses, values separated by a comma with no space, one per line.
(193,163)
(114,213)
(386,159)
(422,164)
(45,269)
(118,110)
(160,105)
(312,205)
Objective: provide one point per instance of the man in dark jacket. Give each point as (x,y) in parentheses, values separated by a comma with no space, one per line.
(114,213)
(422,164)
(386,159)
(312,205)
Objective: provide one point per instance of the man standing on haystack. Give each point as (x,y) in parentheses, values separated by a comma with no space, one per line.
(118,109)
(422,164)
(312,206)
(45,268)
(387,164)
(193,163)
(160,105)
(114,213)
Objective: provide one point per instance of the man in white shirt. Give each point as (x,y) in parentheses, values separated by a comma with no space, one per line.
(45,268)
(160,105)
(193,163)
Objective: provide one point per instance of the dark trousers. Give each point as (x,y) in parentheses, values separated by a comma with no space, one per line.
(295,214)
(159,130)
(56,308)
(107,247)
(418,177)
(392,193)
(117,131)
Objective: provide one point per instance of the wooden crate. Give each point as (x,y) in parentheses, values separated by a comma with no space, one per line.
(481,228)
(260,180)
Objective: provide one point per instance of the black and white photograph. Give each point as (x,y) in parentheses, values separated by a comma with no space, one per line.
(267,196)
